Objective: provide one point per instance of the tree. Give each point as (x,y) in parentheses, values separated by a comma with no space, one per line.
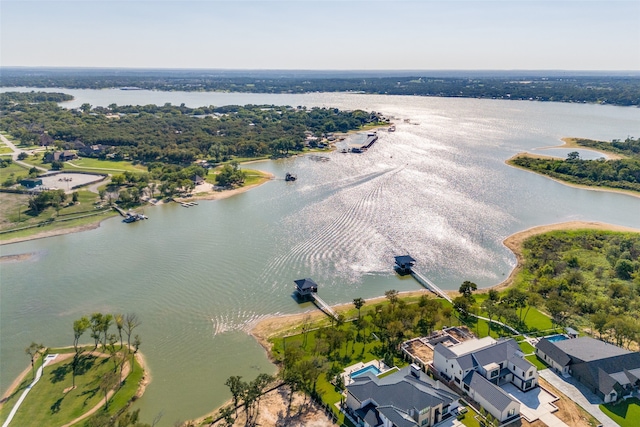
(107,382)
(23,155)
(33,350)
(131,322)
(392,296)
(80,326)
(119,319)
(467,288)
(96,328)
(74,197)
(226,413)
(106,322)
(57,165)
(358,303)
(236,387)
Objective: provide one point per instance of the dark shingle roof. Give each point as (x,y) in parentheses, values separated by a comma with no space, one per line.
(587,349)
(551,350)
(303,284)
(490,392)
(398,417)
(405,260)
(402,390)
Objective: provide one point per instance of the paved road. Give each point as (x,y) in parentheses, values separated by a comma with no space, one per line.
(579,394)
(16,152)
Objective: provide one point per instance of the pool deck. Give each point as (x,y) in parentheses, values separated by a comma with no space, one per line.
(346,373)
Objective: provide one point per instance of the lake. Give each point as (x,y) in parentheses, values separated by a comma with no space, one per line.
(200,278)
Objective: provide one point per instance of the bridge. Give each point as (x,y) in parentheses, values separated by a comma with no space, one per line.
(322,305)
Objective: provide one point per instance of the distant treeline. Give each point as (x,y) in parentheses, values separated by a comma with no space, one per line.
(174,134)
(621,174)
(13,97)
(617,90)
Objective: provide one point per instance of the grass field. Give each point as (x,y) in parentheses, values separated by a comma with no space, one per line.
(52,402)
(625,413)
(17,170)
(109,166)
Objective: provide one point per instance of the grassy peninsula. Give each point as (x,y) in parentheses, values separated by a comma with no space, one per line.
(621,172)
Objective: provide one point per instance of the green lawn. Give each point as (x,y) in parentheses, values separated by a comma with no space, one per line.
(5,150)
(109,166)
(526,347)
(17,170)
(51,402)
(48,404)
(625,413)
(535,360)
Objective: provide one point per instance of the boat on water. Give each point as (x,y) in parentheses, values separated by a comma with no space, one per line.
(290,177)
(133,217)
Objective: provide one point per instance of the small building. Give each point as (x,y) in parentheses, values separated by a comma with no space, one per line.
(407,398)
(305,288)
(31,182)
(404,264)
(197,180)
(60,156)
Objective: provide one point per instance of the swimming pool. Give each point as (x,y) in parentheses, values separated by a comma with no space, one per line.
(364,370)
(556,338)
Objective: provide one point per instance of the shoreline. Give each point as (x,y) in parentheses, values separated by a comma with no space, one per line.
(282,324)
(560,181)
(212,195)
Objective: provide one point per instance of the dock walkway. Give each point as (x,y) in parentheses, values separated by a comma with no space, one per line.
(430,285)
(439,292)
(322,305)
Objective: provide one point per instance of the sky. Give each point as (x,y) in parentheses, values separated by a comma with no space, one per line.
(323,35)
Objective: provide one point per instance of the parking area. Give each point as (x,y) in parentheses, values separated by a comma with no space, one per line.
(67,180)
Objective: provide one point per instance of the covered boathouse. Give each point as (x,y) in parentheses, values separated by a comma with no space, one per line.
(306,288)
(404,264)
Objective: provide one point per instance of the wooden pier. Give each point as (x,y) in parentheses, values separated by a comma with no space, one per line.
(322,305)
(430,285)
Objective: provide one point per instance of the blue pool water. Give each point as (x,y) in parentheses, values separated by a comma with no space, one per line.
(556,338)
(364,370)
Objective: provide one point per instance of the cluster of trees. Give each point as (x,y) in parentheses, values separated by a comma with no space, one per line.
(247,395)
(39,202)
(622,174)
(619,90)
(176,134)
(587,278)
(99,325)
(8,98)
(231,175)
(629,146)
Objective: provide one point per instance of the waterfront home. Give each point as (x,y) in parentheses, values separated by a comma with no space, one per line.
(608,371)
(407,398)
(59,156)
(479,367)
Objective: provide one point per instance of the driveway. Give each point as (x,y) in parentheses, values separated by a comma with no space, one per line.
(536,404)
(579,394)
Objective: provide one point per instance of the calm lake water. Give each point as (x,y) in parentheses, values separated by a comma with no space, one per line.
(200,278)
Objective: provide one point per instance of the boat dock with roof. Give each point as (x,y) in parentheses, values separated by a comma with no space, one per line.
(307,290)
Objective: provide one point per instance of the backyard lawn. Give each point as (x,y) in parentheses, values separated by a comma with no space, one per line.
(625,413)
